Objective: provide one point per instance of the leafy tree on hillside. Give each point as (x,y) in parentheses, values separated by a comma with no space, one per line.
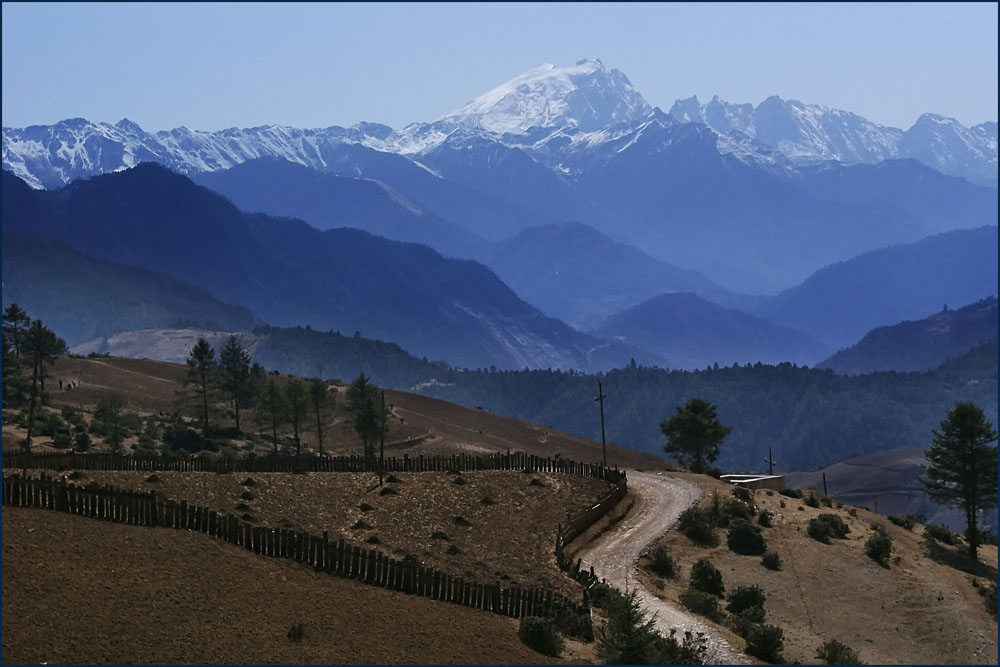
(234,362)
(297,401)
(202,367)
(271,409)
(15,323)
(319,396)
(369,418)
(694,434)
(42,346)
(963,466)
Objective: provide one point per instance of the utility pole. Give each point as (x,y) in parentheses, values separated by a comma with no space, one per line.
(600,398)
(770,462)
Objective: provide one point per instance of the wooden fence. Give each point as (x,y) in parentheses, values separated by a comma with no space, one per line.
(405,463)
(577,525)
(339,558)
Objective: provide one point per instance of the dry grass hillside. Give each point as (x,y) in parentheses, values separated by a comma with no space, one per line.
(419,425)
(922,609)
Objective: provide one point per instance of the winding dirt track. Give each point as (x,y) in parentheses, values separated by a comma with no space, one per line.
(659,501)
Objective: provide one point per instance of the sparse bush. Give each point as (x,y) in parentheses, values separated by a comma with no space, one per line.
(879,546)
(747,602)
(819,531)
(723,510)
(766,642)
(853,512)
(697,524)
(744,494)
(812,500)
(602,595)
(771,560)
(838,528)
(825,526)
(791,493)
(663,563)
(702,603)
(81,442)
(745,538)
(941,534)
(906,522)
(989,594)
(706,577)
(834,652)
(540,634)
(61,439)
(765,517)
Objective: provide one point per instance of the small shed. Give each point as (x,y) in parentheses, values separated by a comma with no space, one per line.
(775,482)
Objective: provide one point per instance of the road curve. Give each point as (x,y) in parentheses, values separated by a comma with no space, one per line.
(658,502)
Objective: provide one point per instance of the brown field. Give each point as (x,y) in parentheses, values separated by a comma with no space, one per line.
(510,541)
(81,591)
(922,610)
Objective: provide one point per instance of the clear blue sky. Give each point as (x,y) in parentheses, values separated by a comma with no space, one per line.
(313,65)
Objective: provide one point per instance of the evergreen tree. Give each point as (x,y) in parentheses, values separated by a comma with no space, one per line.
(234,363)
(202,367)
(298,402)
(15,323)
(14,385)
(319,396)
(271,409)
(42,346)
(963,466)
(694,434)
(368,416)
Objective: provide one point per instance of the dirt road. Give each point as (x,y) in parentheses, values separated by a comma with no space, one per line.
(659,501)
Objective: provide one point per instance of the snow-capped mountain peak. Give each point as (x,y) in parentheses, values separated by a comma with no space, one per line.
(586,96)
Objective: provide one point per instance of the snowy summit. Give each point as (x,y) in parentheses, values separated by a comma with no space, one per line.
(587,96)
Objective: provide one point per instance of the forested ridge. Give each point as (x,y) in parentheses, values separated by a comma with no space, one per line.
(809,417)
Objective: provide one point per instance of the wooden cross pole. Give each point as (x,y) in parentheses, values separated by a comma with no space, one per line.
(600,399)
(770,462)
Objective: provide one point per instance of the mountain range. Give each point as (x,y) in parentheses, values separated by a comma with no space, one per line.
(747,196)
(288,273)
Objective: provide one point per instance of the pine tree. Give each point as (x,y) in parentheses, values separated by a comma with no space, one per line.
(369,417)
(42,346)
(15,323)
(963,466)
(271,409)
(234,363)
(694,434)
(202,368)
